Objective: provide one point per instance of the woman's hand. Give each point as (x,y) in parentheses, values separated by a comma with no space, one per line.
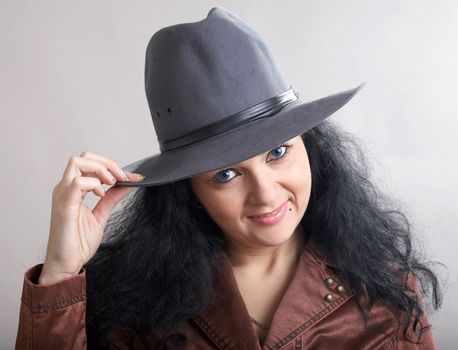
(75,231)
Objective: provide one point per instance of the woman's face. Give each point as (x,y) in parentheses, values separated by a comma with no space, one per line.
(231,196)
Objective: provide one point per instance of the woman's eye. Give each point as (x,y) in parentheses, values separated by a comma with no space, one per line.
(224,175)
(279,151)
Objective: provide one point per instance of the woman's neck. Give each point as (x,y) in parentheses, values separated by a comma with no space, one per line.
(268,261)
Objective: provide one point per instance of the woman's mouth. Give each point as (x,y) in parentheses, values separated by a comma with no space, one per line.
(273,217)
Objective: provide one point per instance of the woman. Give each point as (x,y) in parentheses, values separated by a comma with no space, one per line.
(255,227)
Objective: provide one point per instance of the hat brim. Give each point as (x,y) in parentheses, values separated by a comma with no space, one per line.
(238,144)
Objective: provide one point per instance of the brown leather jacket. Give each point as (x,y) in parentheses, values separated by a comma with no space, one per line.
(313,314)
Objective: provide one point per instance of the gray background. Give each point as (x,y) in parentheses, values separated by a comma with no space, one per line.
(71,79)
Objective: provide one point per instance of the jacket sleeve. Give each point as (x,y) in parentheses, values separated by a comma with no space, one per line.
(52,316)
(424,338)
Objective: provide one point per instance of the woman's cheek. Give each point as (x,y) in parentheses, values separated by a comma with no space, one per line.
(223,208)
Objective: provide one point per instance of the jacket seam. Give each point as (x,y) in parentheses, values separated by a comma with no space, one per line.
(392,338)
(59,304)
(31,330)
(212,334)
(315,318)
(391,342)
(298,345)
(395,337)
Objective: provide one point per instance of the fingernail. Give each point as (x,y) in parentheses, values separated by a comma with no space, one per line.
(126,177)
(140,176)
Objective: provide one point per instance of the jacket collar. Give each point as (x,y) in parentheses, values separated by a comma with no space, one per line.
(226,320)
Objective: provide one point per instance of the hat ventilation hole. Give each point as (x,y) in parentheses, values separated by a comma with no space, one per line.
(158,114)
(170,111)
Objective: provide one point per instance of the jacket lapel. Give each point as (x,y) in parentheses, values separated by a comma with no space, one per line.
(226,320)
(304,302)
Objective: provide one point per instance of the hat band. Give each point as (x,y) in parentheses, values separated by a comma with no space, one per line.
(264,109)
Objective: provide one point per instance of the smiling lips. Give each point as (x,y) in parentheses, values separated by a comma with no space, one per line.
(272,217)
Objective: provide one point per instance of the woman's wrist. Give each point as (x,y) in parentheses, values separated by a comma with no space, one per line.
(47,276)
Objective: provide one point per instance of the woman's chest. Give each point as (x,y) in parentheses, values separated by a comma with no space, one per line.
(340,327)
(261,298)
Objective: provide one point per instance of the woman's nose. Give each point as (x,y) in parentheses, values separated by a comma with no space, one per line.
(263,189)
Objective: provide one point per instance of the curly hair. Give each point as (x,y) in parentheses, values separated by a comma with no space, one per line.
(158,260)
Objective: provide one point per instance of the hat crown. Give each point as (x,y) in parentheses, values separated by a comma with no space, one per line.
(199,73)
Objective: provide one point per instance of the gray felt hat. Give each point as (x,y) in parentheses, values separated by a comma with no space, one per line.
(217,97)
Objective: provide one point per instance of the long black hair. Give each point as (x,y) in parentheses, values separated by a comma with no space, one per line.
(157,262)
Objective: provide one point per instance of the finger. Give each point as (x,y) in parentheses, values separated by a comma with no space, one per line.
(80,186)
(134,176)
(111,165)
(104,207)
(78,166)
